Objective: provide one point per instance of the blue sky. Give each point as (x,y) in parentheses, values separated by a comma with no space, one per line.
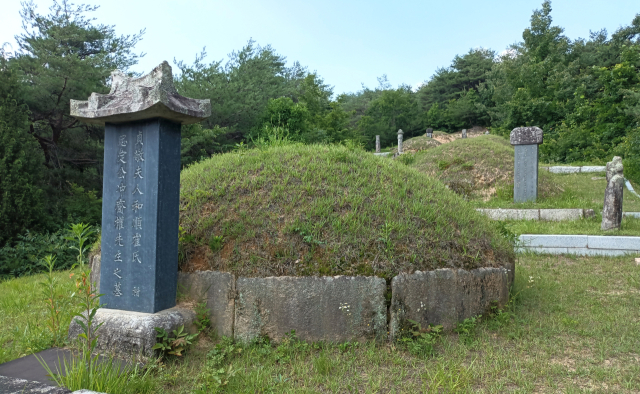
(349,43)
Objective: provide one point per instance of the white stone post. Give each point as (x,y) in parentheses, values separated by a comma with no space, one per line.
(377,144)
(400,141)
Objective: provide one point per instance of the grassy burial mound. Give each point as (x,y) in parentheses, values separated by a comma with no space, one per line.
(445,138)
(327,210)
(417,144)
(475,167)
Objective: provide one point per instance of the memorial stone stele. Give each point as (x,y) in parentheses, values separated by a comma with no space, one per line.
(464,133)
(400,141)
(141,186)
(430,132)
(525,141)
(377,144)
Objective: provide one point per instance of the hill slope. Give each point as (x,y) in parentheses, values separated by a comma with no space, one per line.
(327,210)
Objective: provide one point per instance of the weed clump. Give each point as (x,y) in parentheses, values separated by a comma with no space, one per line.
(327,210)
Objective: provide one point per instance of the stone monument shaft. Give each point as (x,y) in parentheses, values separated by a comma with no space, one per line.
(141,193)
(141,186)
(525,141)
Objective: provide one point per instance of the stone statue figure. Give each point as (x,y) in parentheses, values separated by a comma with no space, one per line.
(612,211)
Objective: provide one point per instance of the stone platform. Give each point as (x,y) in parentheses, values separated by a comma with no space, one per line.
(127,334)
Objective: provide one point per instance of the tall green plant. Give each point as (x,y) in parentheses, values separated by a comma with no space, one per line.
(80,233)
(52,299)
(87,370)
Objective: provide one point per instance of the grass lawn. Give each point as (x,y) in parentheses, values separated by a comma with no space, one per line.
(584,191)
(572,327)
(23,314)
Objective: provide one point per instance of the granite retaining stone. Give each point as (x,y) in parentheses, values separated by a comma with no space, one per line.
(445,296)
(340,308)
(125,333)
(218,290)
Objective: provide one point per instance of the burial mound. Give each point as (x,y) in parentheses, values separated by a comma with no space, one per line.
(475,167)
(417,144)
(327,210)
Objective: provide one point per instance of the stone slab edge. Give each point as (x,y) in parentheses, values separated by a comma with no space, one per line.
(573,170)
(533,214)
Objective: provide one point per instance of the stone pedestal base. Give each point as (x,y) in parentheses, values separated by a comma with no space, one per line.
(126,334)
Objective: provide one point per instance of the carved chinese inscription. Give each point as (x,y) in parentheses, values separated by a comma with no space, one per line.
(128,211)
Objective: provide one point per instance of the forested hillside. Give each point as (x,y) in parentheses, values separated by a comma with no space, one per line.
(584,93)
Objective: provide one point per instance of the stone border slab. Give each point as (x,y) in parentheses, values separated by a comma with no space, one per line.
(382,154)
(573,170)
(219,292)
(445,296)
(318,308)
(631,214)
(583,245)
(536,214)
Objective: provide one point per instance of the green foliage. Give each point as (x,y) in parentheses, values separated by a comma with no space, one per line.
(466,329)
(280,96)
(24,257)
(450,98)
(215,375)
(420,341)
(389,111)
(216,242)
(172,346)
(198,143)
(272,136)
(203,322)
(407,159)
(21,173)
